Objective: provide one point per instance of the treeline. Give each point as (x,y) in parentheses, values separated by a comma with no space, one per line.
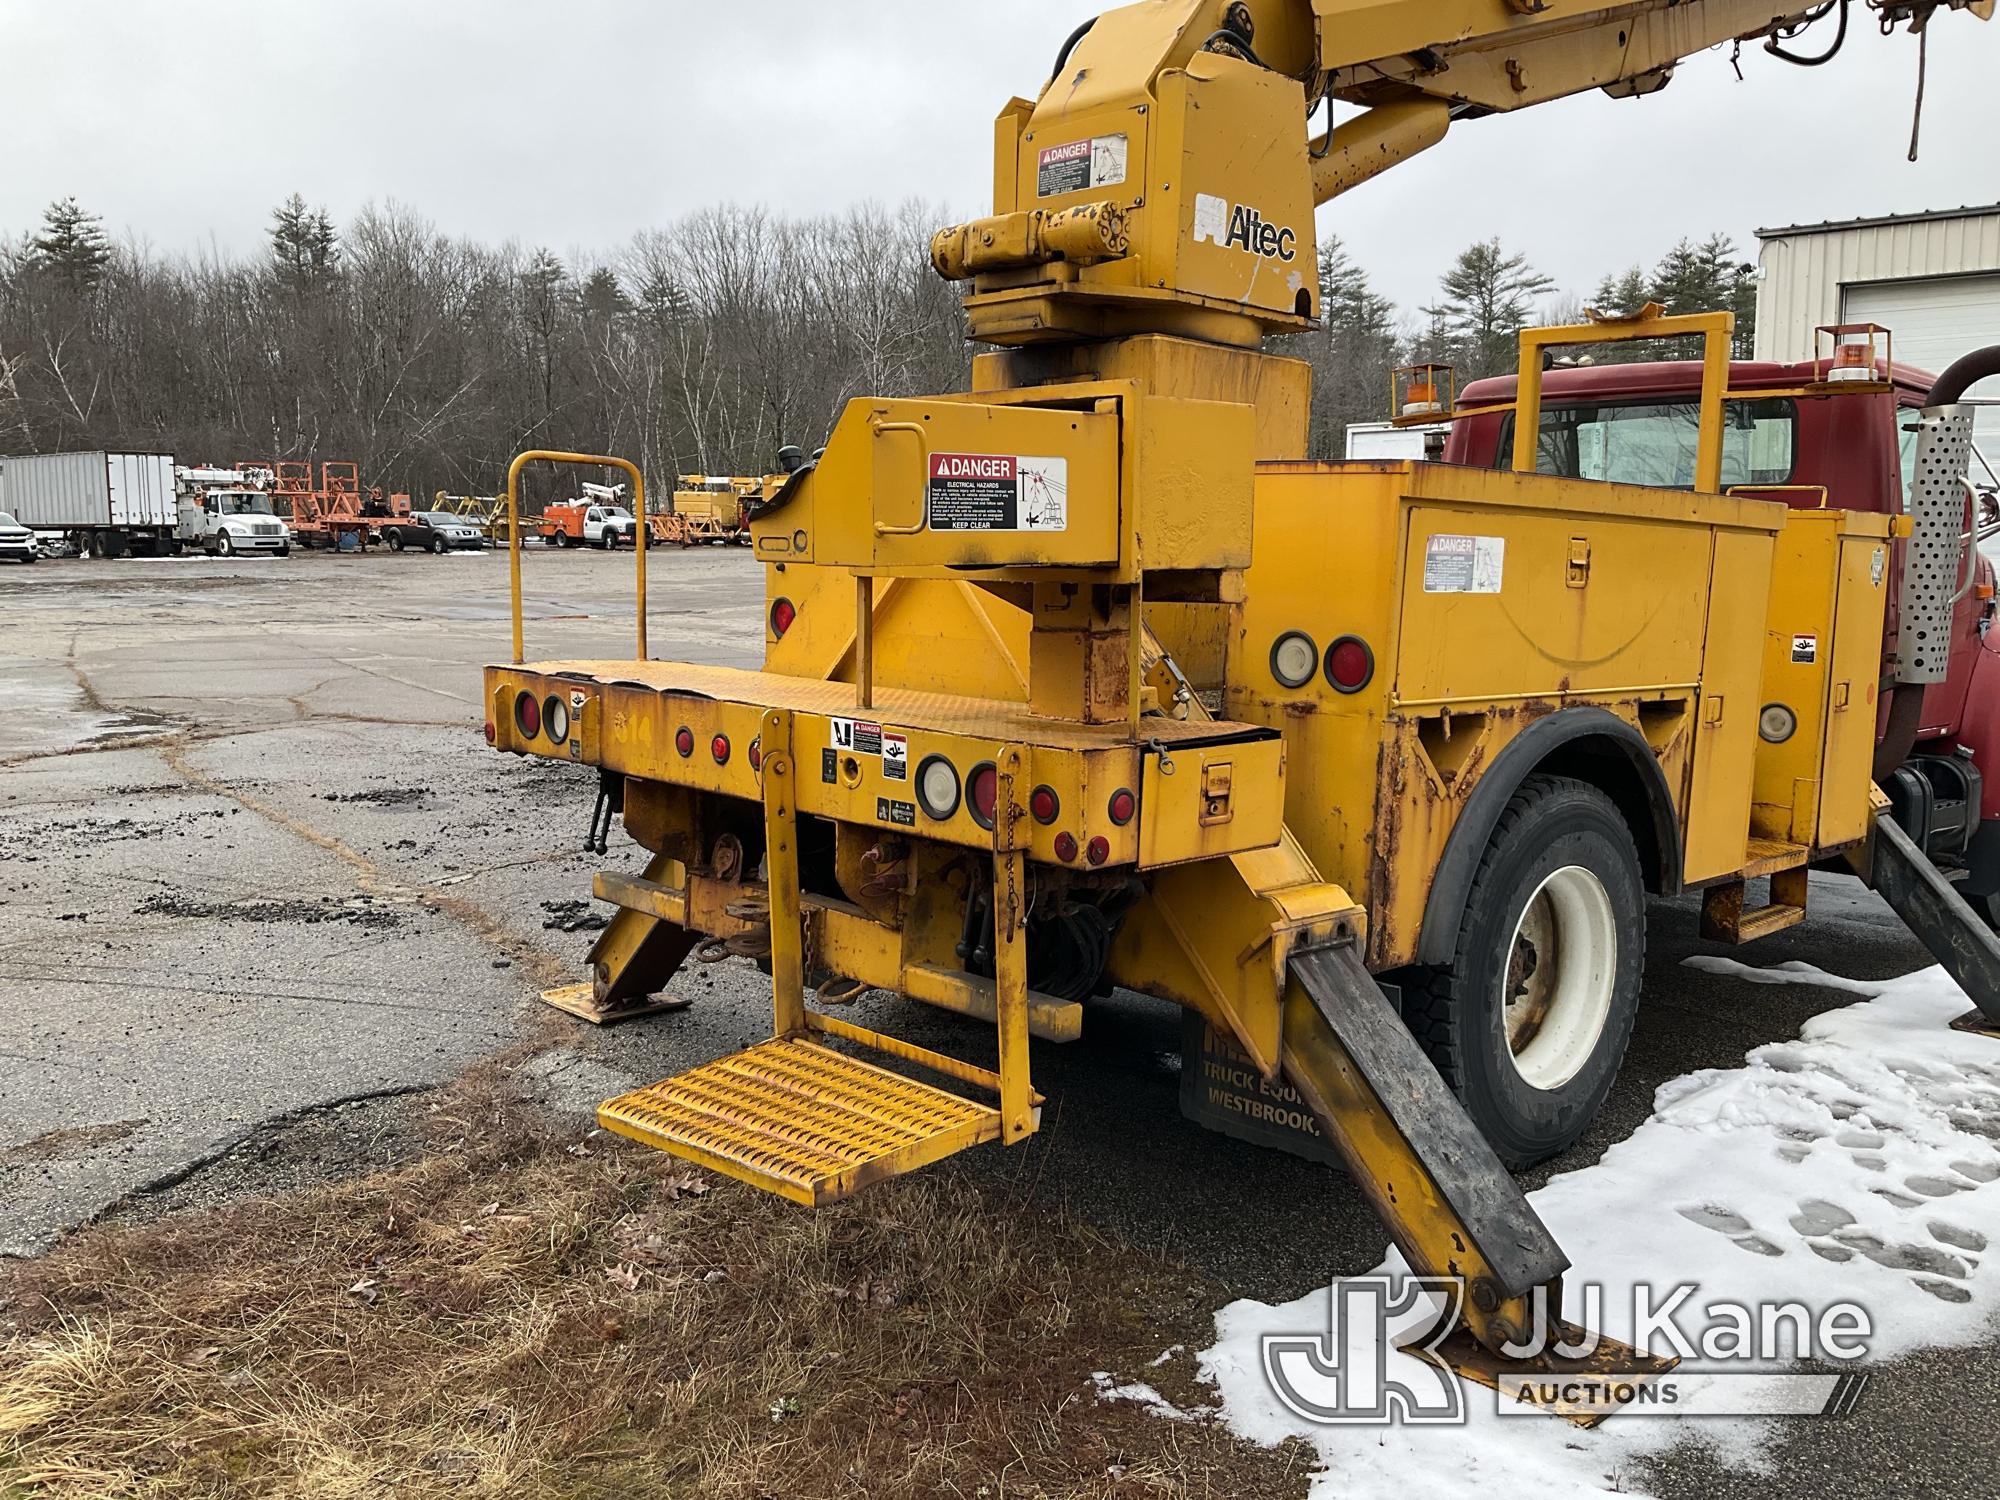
(699,347)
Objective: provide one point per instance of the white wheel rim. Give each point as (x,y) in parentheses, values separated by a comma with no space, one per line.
(1555,991)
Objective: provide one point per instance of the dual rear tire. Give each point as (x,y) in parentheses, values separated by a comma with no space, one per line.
(1529,1022)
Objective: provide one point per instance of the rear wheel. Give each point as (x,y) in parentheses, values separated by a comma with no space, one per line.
(1529,1022)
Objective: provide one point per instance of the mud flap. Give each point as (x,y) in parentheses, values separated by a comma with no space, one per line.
(1918,892)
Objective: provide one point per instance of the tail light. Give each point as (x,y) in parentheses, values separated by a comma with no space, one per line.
(757,754)
(492,734)
(1121,807)
(684,741)
(719,748)
(555,715)
(937,787)
(1294,658)
(1045,804)
(1350,664)
(982,792)
(527,715)
(783,612)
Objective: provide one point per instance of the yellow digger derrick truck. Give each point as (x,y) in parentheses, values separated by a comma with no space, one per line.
(1087,677)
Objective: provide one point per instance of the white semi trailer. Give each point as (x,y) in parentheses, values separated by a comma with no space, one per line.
(103,504)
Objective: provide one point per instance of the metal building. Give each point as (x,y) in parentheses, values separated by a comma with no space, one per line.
(1933,279)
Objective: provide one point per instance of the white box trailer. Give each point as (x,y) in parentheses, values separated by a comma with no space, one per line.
(105,503)
(1387,440)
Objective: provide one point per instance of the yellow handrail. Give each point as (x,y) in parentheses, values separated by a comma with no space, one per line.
(521,461)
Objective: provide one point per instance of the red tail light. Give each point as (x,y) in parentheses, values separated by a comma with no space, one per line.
(982,791)
(492,734)
(783,612)
(527,715)
(1123,804)
(1044,804)
(1350,665)
(684,741)
(719,748)
(757,754)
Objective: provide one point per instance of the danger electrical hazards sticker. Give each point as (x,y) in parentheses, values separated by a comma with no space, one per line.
(1077,166)
(997,492)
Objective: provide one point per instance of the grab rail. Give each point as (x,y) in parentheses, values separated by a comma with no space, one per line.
(538,455)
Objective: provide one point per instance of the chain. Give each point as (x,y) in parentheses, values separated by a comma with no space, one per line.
(1009,819)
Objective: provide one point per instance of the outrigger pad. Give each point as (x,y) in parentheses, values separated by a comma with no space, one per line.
(580,1000)
(800,1120)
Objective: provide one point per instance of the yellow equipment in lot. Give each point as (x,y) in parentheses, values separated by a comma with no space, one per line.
(708,509)
(1088,677)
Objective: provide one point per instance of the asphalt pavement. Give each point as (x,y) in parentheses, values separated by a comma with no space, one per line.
(258,868)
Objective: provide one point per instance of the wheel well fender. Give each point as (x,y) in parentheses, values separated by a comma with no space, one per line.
(1592,745)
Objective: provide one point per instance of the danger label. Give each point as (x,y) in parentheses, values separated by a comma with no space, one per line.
(1805,649)
(1078,166)
(858,735)
(1464,564)
(997,492)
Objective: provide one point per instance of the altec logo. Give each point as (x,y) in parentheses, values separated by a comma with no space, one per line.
(1241,227)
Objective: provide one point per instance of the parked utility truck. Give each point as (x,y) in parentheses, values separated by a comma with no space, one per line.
(1088,677)
(227,512)
(102,504)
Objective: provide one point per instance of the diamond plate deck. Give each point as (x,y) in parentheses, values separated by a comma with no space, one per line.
(800,1120)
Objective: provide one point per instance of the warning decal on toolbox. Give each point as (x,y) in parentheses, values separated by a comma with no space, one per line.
(997,492)
(858,735)
(1079,165)
(895,756)
(1464,564)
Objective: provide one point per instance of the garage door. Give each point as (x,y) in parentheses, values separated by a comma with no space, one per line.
(1935,322)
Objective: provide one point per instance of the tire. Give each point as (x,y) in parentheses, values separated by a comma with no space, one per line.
(436,545)
(285,551)
(395,541)
(223,546)
(1561,872)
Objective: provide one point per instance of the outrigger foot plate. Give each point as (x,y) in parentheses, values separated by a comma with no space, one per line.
(580,1000)
(1583,1389)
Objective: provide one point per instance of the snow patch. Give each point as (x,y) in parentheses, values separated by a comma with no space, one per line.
(1855,1164)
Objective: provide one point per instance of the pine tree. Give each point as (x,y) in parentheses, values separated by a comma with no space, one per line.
(602,298)
(1488,295)
(71,245)
(305,247)
(1622,296)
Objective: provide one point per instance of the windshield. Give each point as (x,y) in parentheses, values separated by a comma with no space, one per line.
(7,520)
(245,505)
(617,513)
(1654,443)
(438,518)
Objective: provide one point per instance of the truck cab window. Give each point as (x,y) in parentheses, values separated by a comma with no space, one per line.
(1654,443)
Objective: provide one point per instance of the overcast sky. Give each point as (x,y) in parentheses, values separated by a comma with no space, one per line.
(571,123)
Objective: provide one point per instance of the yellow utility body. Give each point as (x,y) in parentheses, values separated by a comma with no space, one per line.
(1088,677)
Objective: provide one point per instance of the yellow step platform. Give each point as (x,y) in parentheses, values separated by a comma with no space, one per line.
(801,1120)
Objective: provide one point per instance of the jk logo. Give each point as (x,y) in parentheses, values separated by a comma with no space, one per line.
(1341,1377)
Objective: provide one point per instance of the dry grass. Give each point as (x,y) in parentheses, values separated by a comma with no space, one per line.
(523,1314)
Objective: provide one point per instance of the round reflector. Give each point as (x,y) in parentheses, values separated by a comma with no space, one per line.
(1121,807)
(1065,847)
(1294,659)
(1099,850)
(527,715)
(1350,665)
(982,792)
(783,612)
(1045,804)
(719,748)
(555,716)
(684,741)
(937,787)
(1777,723)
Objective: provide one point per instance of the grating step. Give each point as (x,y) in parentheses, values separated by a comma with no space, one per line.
(800,1120)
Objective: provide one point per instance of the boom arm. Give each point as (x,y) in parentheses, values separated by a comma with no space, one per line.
(1142,191)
